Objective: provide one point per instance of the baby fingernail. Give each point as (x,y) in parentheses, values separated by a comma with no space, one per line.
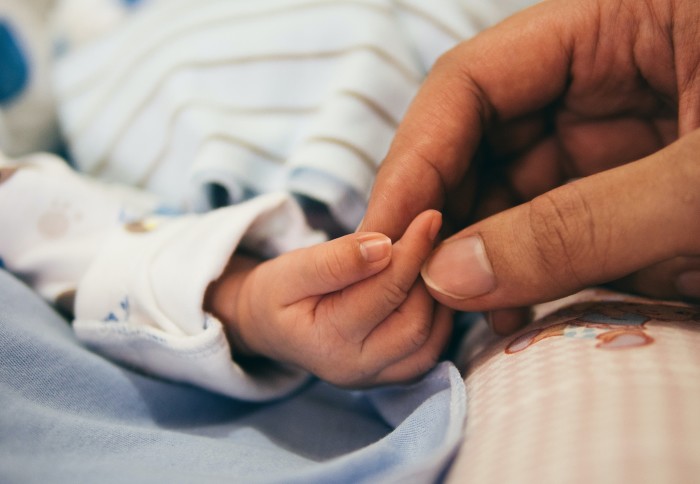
(688,284)
(435,226)
(460,269)
(375,247)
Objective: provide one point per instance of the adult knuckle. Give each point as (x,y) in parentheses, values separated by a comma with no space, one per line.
(452,64)
(564,233)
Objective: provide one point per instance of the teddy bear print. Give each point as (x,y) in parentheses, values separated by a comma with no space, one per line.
(56,221)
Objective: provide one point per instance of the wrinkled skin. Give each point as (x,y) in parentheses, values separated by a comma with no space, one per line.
(606,92)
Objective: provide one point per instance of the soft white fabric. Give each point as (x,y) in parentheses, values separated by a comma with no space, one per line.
(140,278)
(54,221)
(256,97)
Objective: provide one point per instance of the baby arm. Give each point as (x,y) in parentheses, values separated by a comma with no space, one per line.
(133,280)
(351,311)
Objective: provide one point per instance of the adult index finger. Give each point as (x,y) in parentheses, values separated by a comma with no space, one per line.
(514,68)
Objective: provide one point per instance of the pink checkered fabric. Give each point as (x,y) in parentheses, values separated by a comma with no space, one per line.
(606,390)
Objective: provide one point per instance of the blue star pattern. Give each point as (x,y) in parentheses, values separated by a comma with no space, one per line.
(124,310)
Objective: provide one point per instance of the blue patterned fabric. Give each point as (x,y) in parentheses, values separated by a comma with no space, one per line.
(69,415)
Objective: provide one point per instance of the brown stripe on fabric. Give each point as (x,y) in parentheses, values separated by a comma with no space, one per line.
(245,144)
(85,84)
(369,162)
(253,148)
(280,57)
(194,104)
(373,106)
(432,20)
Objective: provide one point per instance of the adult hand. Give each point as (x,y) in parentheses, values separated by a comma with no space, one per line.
(603,91)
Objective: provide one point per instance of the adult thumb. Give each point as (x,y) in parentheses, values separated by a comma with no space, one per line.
(591,231)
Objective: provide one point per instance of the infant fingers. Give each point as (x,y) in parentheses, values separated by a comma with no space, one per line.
(421,361)
(333,265)
(412,356)
(357,310)
(403,332)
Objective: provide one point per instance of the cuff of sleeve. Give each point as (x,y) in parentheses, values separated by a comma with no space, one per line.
(58,220)
(141,301)
(202,359)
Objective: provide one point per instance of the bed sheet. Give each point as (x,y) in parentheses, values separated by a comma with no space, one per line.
(69,415)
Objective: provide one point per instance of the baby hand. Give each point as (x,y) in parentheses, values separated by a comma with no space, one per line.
(352,311)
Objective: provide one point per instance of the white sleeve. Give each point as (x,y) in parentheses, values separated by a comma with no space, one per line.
(54,221)
(148,311)
(140,281)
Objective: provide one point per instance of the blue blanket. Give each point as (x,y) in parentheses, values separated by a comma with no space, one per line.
(68,415)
